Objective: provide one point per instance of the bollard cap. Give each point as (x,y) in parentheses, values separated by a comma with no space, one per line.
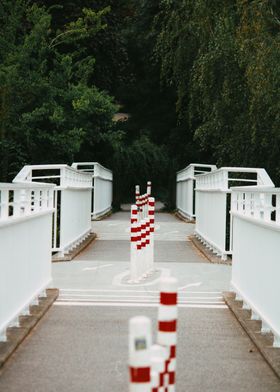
(158,351)
(168,284)
(157,364)
(139,325)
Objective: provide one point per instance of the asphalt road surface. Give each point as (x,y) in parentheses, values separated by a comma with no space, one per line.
(81,344)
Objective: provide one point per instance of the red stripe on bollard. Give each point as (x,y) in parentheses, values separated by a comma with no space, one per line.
(161,379)
(140,375)
(167,326)
(168,298)
(171,378)
(152,221)
(172,351)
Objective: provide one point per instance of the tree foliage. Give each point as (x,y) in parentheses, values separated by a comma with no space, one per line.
(200,80)
(49,107)
(223,59)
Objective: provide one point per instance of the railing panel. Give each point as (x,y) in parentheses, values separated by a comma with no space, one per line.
(25,248)
(73,192)
(211,220)
(75,218)
(185,188)
(102,186)
(256,264)
(217,232)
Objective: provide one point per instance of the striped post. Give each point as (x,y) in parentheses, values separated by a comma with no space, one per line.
(151,216)
(140,338)
(167,326)
(134,234)
(149,188)
(159,355)
(143,257)
(141,205)
(137,194)
(147,204)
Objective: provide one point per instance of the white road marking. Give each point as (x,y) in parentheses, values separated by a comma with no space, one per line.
(136,291)
(190,285)
(127,300)
(129,305)
(117,281)
(97,268)
(155,297)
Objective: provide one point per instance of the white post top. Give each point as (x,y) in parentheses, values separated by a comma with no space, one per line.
(168,285)
(159,351)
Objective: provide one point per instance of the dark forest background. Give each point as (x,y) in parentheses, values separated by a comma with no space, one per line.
(200,80)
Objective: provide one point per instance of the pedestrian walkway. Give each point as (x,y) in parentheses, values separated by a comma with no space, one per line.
(81,345)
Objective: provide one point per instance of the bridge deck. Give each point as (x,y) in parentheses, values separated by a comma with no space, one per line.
(81,344)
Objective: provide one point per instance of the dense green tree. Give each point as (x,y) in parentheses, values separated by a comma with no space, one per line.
(49,109)
(200,80)
(223,59)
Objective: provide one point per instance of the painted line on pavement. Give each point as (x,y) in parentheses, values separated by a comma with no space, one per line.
(96,268)
(125,300)
(190,285)
(139,305)
(137,291)
(132,296)
(117,280)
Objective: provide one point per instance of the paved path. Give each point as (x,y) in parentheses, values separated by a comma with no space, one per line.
(81,344)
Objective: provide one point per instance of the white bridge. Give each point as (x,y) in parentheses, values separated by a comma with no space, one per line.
(237,214)
(48,210)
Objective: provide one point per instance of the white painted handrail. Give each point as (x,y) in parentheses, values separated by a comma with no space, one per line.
(255,215)
(72,202)
(25,248)
(102,179)
(185,202)
(213,194)
(67,176)
(220,179)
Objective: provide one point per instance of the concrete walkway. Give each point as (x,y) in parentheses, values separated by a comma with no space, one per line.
(81,344)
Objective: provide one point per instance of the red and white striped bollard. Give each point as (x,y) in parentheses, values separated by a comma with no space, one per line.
(134,234)
(140,338)
(151,216)
(167,325)
(159,356)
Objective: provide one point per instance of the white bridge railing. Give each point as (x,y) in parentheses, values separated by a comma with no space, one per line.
(102,181)
(213,194)
(25,248)
(185,188)
(72,202)
(255,215)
